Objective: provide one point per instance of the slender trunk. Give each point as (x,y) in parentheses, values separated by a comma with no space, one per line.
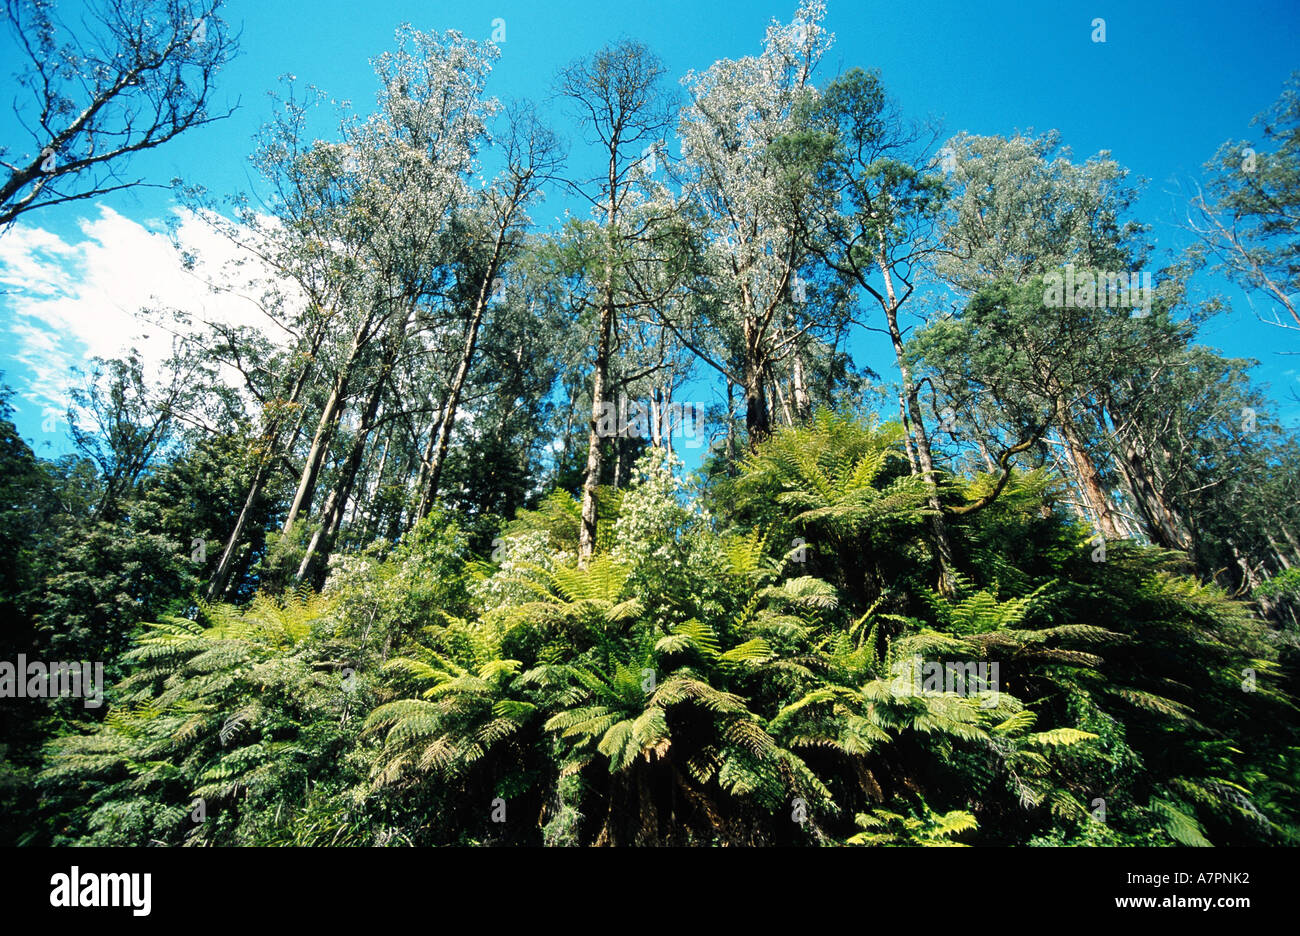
(656,414)
(620,456)
(1282,560)
(666,408)
(463,366)
(731,434)
(907,434)
(591,479)
(1162,524)
(426,463)
(802,400)
(1087,475)
(221,576)
(324,434)
(332,513)
(1290,538)
(320,443)
(608,309)
(924,458)
(781,398)
(372,517)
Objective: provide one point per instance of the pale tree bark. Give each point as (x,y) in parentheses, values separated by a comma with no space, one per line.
(332,512)
(458,381)
(217,585)
(1163,524)
(924,457)
(1087,475)
(225,566)
(372,486)
(666,409)
(325,426)
(335,503)
(731,435)
(595,456)
(1282,560)
(531,157)
(781,400)
(656,416)
(1290,538)
(907,433)
(424,504)
(802,399)
(618,96)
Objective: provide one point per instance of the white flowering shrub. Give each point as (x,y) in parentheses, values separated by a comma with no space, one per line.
(524,557)
(667,540)
(409,583)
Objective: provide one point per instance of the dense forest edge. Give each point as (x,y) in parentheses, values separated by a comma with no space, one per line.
(493,534)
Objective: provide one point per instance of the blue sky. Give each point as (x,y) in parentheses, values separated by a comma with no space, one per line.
(1171,82)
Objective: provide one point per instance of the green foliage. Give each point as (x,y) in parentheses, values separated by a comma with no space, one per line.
(695,686)
(239,711)
(384,574)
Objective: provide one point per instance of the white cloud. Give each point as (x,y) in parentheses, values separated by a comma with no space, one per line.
(66,301)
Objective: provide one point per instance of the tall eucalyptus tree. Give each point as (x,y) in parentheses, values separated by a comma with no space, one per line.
(618,95)
(752,200)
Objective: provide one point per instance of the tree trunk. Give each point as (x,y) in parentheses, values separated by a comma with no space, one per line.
(449,412)
(1162,523)
(372,517)
(221,576)
(802,400)
(1282,560)
(591,479)
(780,397)
(1295,547)
(731,435)
(332,513)
(656,416)
(757,426)
(666,408)
(1087,475)
(324,434)
(426,464)
(907,433)
(320,443)
(466,360)
(600,379)
(924,458)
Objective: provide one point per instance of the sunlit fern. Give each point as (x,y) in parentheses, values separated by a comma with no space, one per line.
(926,828)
